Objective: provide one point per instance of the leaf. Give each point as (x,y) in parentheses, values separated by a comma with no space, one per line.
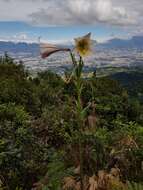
(84,111)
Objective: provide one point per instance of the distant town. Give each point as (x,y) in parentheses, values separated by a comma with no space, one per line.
(116,54)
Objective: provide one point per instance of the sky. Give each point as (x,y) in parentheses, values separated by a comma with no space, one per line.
(61,21)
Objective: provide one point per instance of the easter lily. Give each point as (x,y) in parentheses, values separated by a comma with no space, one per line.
(83,48)
(83,45)
(48,49)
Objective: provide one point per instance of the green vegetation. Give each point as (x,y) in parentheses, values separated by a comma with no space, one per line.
(132,81)
(39,142)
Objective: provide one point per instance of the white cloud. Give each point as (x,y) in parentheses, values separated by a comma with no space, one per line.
(117,15)
(73,12)
(19,37)
(82,12)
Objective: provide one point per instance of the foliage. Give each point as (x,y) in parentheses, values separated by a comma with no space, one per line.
(56,172)
(134,186)
(39,136)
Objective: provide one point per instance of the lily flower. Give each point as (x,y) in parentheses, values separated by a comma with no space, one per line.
(48,49)
(83,45)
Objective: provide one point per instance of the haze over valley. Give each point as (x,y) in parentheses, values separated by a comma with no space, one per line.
(115,54)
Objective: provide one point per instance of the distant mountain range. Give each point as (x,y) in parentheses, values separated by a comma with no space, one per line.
(134,42)
(19,47)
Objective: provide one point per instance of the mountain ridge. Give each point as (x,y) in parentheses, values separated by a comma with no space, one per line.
(134,42)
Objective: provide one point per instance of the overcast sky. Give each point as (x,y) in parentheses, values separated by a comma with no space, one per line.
(64,19)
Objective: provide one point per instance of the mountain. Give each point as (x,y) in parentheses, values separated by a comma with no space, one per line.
(33,48)
(19,47)
(134,42)
(23,47)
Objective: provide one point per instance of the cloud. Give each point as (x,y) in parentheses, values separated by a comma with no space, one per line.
(116,15)
(82,12)
(123,13)
(19,37)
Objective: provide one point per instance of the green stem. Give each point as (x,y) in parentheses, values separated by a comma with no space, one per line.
(78,66)
(81,164)
(79,110)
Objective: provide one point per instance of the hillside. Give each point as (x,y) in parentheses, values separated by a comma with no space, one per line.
(44,137)
(132,81)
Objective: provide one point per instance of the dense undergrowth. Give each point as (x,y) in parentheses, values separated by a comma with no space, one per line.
(39,141)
